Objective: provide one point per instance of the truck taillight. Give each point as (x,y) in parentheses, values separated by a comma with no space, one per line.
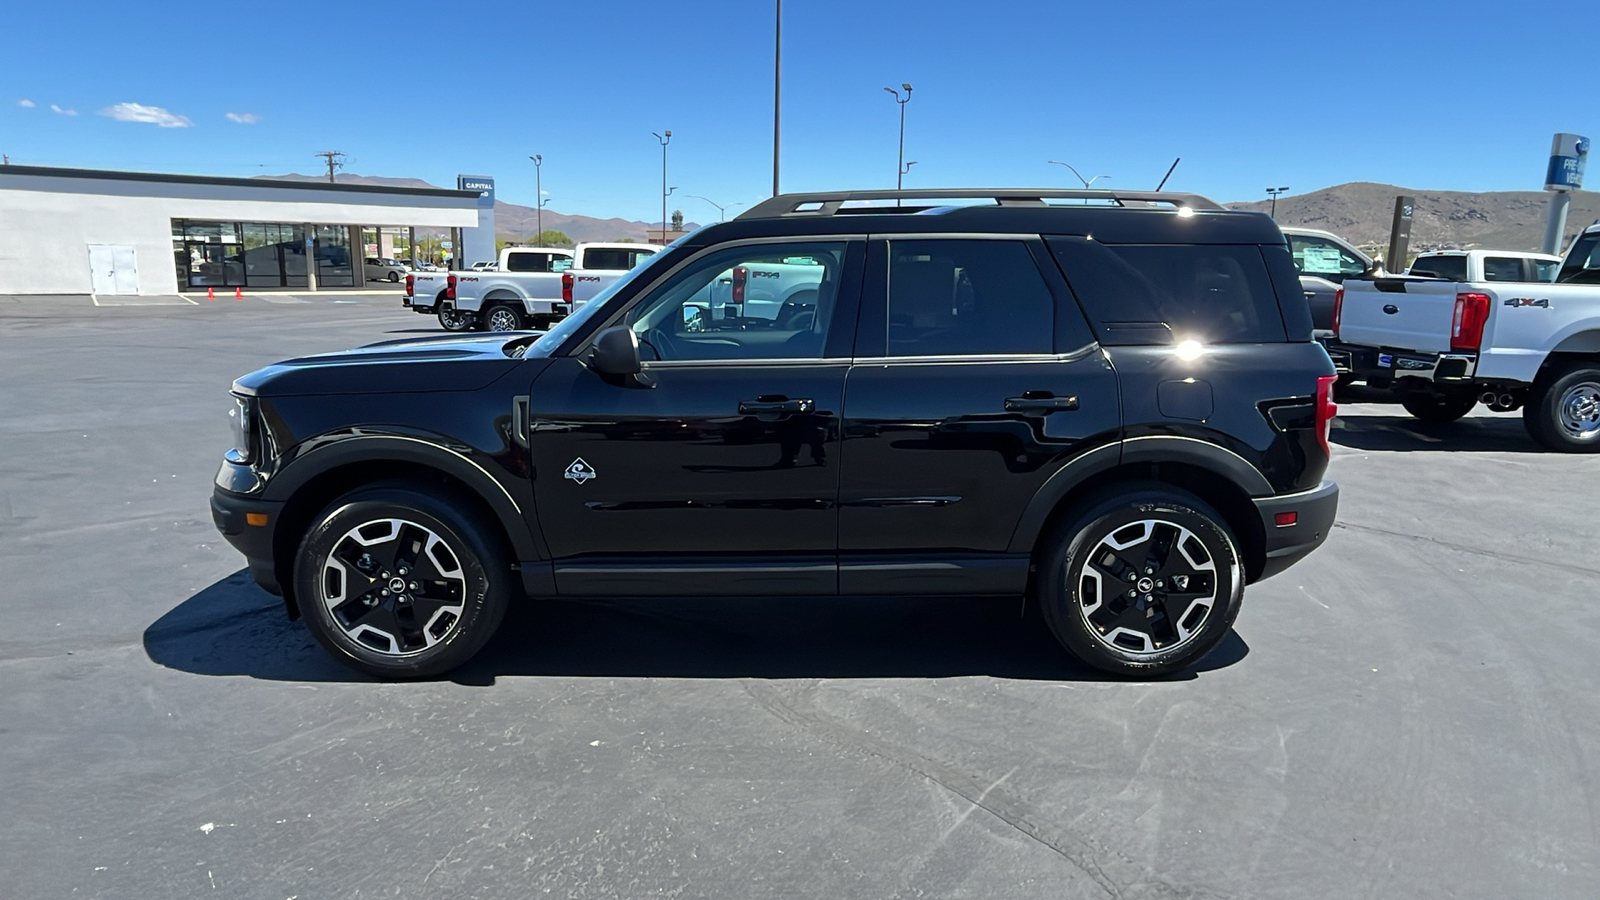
(1466,328)
(740,275)
(411,285)
(1338,309)
(566,287)
(450,288)
(1326,410)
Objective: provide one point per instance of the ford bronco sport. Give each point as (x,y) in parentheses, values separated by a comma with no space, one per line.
(1107,401)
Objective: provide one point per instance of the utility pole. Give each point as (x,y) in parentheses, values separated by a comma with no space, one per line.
(538,176)
(1274,192)
(665,140)
(335,161)
(900,164)
(777,93)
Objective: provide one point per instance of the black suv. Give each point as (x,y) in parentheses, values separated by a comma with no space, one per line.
(1107,401)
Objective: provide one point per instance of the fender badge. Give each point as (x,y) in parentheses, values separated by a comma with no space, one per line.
(579,471)
(1515,302)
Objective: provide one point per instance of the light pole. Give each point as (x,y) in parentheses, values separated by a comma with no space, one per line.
(1086,184)
(1273,193)
(542,202)
(777,92)
(900,164)
(538,186)
(906,170)
(665,140)
(722,208)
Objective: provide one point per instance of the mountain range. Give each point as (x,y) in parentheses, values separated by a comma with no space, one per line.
(514,221)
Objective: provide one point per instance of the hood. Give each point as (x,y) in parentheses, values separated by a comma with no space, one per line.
(413,365)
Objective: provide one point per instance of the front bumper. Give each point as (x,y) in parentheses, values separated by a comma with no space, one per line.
(1382,366)
(1314,512)
(233,516)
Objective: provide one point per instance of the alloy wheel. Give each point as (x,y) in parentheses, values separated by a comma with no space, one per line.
(1148,587)
(502,319)
(393,586)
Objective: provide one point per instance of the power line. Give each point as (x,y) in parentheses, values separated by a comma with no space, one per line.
(335,161)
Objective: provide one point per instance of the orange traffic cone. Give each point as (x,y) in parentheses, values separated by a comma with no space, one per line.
(211,293)
(238,293)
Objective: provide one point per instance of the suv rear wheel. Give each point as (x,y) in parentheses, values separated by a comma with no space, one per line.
(1564,414)
(399,583)
(1439,409)
(1142,582)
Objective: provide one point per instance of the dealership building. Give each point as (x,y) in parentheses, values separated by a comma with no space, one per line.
(87,231)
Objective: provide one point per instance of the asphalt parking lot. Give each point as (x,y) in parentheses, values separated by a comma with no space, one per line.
(1411,712)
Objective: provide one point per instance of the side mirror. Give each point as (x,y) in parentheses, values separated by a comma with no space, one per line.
(615,354)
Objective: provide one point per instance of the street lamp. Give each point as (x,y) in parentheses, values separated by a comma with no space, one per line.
(1273,193)
(665,140)
(1086,184)
(722,208)
(907,170)
(900,164)
(538,176)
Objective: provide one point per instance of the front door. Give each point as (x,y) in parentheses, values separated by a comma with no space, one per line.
(721,475)
(976,379)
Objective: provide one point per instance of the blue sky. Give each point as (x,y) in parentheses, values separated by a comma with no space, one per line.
(1305,95)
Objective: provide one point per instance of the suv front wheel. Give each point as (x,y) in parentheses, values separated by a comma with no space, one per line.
(1144,582)
(397,582)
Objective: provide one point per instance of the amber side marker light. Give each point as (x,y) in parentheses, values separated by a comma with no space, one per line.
(257,519)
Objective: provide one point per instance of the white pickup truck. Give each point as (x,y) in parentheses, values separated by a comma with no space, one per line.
(525,280)
(1445,345)
(1486,265)
(596,266)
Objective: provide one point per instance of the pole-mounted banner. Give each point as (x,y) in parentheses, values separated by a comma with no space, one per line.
(1568,153)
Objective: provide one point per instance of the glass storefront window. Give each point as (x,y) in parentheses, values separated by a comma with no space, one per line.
(239,254)
(334,259)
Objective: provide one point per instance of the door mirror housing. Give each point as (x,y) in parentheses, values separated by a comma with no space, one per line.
(615,356)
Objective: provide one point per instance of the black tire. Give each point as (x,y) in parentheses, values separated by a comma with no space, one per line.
(1439,410)
(394,277)
(1089,619)
(373,539)
(452,319)
(1563,413)
(500,315)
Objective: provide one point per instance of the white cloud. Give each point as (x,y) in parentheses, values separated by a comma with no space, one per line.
(25,104)
(64,112)
(154,115)
(244,118)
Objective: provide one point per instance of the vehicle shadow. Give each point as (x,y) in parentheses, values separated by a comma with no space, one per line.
(1473,434)
(235,628)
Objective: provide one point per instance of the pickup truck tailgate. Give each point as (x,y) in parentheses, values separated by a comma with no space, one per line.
(1404,313)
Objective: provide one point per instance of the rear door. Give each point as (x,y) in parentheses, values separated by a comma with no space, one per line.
(975,380)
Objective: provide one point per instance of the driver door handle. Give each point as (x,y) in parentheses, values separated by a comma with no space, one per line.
(770,404)
(1042,401)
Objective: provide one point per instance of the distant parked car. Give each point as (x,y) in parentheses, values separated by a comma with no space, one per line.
(1324,260)
(382,268)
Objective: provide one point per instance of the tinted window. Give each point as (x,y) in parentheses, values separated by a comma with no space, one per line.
(967,297)
(1583,261)
(614,257)
(1544,270)
(771,301)
(527,262)
(1323,258)
(1451,268)
(1138,294)
(1502,268)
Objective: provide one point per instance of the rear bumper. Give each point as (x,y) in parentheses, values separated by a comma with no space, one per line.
(1314,513)
(230,511)
(1382,366)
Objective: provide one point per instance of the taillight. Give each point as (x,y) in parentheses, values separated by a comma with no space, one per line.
(1338,310)
(566,287)
(740,274)
(1326,410)
(411,285)
(450,288)
(1466,329)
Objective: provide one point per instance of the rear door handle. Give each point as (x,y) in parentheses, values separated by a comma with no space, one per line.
(1043,401)
(767,404)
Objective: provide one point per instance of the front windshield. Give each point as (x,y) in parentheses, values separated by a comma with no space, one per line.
(564,329)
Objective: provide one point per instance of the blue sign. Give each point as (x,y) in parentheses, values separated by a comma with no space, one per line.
(1568,154)
(483,184)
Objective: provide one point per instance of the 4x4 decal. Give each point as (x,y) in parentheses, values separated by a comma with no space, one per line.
(1514,302)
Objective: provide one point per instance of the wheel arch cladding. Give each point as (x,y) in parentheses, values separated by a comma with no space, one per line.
(318,491)
(1221,493)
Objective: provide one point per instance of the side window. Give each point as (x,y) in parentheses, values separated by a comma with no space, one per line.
(1451,268)
(1144,294)
(528,262)
(1545,270)
(961,297)
(635,255)
(614,258)
(766,301)
(1323,258)
(1583,261)
(561,264)
(1502,268)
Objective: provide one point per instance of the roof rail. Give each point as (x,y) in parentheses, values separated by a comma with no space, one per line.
(828,203)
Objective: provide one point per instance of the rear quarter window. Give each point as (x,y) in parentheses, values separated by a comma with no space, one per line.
(1450,268)
(1162,293)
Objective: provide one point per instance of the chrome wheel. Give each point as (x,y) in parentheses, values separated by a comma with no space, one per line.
(1147,588)
(393,586)
(503,318)
(1578,411)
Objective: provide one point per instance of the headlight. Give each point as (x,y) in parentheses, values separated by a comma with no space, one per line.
(243,418)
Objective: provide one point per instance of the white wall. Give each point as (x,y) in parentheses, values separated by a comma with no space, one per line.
(48,222)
